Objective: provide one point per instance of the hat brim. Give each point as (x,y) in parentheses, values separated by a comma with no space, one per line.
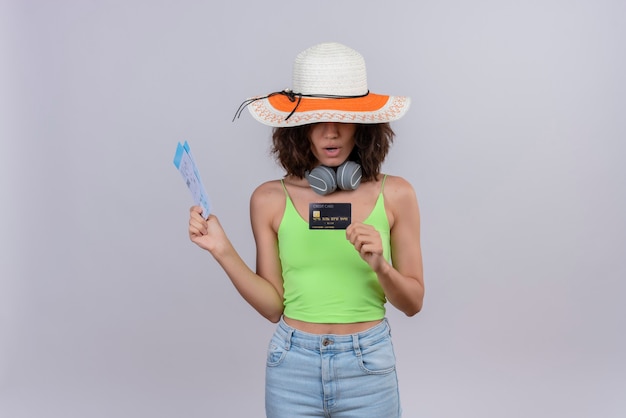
(372,108)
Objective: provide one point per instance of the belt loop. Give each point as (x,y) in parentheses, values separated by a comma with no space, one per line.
(288,333)
(355,345)
(288,339)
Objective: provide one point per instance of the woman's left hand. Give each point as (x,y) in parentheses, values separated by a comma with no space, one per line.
(368,243)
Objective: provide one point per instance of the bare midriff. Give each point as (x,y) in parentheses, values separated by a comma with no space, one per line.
(337,329)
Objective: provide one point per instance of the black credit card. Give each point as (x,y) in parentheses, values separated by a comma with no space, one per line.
(330,215)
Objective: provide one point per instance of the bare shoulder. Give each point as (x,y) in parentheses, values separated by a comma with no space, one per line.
(400,201)
(268,190)
(398,190)
(268,202)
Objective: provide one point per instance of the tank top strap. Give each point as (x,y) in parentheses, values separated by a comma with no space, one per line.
(287,197)
(382,186)
(290,208)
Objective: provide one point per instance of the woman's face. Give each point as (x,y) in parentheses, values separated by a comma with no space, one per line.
(332,142)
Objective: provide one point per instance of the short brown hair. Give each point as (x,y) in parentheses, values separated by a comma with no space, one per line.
(292,148)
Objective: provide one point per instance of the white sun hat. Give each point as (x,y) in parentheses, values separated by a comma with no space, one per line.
(329,85)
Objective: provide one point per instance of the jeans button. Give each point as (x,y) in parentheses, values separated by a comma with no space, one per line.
(327,342)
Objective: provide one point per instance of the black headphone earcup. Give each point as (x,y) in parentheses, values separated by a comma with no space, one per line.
(322,179)
(349,175)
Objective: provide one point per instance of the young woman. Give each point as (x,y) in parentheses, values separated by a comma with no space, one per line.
(335,240)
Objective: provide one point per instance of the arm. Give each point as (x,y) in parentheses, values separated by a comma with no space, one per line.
(402,281)
(260,290)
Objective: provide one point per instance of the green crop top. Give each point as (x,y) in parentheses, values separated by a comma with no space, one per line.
(324,278)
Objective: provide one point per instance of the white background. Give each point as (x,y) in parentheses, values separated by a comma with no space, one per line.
(514,144)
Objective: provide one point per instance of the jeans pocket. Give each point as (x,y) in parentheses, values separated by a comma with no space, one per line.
(378,358)
(275,353)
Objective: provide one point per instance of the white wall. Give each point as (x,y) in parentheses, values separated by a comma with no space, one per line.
(514,144)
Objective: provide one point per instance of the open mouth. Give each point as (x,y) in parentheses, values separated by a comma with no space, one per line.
(331,151)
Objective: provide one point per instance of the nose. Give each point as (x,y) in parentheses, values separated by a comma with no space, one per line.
(330,129)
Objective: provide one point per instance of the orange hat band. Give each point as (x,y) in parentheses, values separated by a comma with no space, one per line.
(368,103)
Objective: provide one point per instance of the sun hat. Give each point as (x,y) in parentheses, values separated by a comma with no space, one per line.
(329,85)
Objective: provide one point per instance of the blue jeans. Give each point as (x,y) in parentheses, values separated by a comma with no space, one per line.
(332,376)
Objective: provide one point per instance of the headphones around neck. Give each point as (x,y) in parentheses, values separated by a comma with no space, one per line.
(324,180)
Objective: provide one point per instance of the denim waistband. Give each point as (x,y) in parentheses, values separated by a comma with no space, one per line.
(332,342)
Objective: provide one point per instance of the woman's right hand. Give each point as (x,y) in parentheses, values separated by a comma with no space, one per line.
(206,233)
